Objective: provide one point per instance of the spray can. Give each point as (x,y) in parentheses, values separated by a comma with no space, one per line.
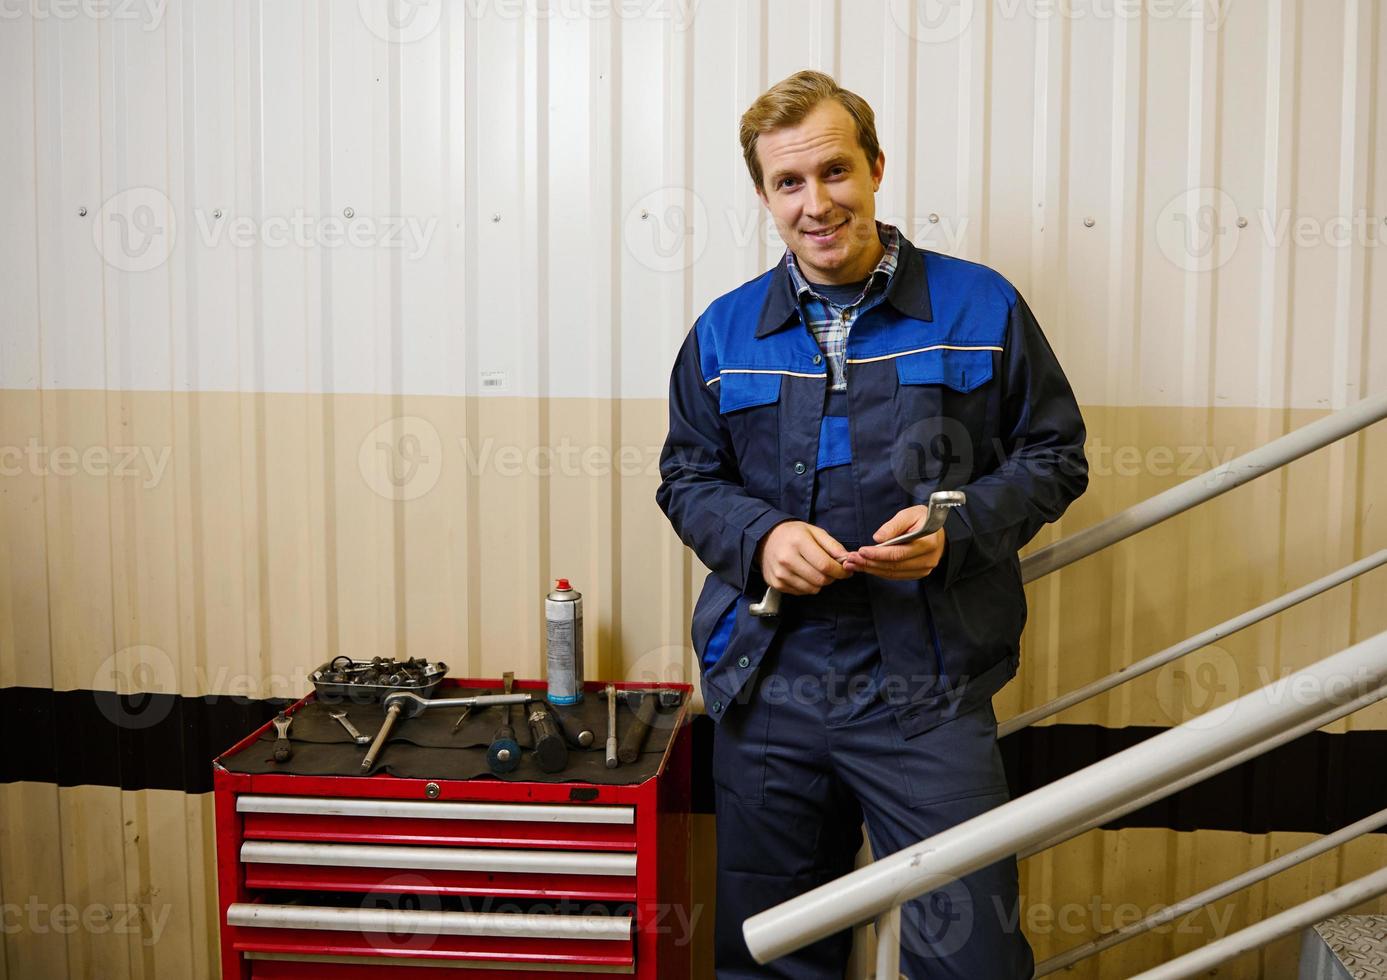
(563,630)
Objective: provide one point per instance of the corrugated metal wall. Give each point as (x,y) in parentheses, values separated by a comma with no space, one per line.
(331,329)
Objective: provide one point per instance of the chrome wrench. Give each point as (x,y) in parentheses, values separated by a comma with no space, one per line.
(940,503)
(346,723)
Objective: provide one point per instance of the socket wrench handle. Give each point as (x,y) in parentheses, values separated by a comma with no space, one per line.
(392,715)
(940,503)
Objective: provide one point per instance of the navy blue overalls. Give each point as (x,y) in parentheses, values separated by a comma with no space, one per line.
(813,751)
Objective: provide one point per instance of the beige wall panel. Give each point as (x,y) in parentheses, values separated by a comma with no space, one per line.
(145,527)
(215,547)
(360,459)
(78,532)
(25,639)
(703,845)
(31,877)
(94,878)
(459,571)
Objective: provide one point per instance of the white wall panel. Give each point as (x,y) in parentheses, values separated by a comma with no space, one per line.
(1010,127)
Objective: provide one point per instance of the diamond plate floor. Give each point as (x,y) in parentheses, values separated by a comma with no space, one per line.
(1346,946)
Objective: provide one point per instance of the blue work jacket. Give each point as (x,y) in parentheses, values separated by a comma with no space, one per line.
(951,386)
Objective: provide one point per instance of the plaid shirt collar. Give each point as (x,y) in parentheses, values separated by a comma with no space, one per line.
(885,267)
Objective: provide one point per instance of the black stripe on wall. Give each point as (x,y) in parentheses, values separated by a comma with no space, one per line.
(1316,784)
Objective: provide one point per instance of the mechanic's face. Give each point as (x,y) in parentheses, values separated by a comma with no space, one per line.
(819,187)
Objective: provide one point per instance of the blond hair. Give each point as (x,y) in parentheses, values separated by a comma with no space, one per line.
(788,101)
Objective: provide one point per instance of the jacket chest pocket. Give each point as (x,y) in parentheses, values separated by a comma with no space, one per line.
(962,370)
(750,403)
(946,413)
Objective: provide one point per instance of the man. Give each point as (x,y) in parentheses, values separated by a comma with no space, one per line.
(812,412)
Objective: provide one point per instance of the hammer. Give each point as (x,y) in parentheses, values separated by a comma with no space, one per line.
(940,503)
(644,704)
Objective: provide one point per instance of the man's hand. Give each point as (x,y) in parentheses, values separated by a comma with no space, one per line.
(799,558)
(901,561)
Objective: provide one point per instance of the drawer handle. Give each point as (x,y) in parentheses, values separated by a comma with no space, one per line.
(424,810)
(415,922)
(439,858)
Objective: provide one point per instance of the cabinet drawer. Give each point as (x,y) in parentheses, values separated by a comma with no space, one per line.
(500,940)
(597,875)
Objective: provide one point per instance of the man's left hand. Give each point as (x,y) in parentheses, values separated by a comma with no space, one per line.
(901,561)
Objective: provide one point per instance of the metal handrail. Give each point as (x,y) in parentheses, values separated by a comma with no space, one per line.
(1236,759)
(1292,920)
(1212,894)
(1206,486)
(867,893)
(1151,767)
(1196,642)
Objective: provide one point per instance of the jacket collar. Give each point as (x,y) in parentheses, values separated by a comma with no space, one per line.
(908,292)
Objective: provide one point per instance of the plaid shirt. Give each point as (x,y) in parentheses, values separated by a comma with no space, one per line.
(829,323)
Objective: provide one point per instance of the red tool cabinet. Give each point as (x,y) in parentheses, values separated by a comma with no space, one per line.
(369,877)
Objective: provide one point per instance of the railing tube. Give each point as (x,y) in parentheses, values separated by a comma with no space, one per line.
(1212,894)
(1290,921)
(1147,767)
(1185,782)
(889,944)
(1196,642)
(1206,486)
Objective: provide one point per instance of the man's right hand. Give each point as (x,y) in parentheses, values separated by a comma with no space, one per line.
(799,558)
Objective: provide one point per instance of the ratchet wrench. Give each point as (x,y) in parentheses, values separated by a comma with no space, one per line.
(940,503)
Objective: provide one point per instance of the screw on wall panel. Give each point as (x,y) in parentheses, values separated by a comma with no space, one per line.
(495,218)
(933,218)
(217,213)
(349,213)
(1089,222)
(81,212)
(1242,222)
(644,214)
